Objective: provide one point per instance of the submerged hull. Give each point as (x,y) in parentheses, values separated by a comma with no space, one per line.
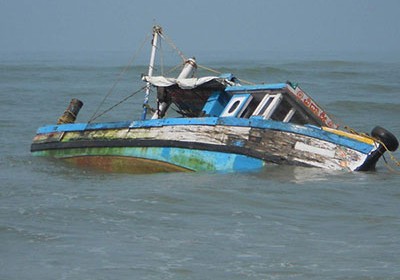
(203,144)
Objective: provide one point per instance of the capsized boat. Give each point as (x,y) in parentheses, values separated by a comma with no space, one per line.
(223,125)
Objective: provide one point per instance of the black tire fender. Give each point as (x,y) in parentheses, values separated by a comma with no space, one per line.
(386,137)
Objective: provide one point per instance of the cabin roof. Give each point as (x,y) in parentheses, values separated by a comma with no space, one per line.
(256,87)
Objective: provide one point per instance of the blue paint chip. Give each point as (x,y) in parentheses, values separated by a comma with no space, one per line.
(245,163)
(238,143)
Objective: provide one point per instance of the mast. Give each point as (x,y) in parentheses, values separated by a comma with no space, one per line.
(157,30)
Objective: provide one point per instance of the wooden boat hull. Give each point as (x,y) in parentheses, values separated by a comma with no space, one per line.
(203,144)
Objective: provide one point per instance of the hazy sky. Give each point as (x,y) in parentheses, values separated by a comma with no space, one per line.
(120,25)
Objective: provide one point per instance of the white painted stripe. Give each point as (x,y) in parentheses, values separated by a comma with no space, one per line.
(315,150)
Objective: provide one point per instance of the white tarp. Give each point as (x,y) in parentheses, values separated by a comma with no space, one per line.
(188,83)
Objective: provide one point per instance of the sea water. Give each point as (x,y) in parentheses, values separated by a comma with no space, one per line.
(61,222)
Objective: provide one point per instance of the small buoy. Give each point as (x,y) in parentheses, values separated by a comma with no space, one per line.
(386,137)
(71,112)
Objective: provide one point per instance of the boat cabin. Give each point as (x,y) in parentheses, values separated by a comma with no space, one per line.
(222,97)
(268,104)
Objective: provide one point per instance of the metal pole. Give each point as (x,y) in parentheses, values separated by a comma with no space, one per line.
(157,30)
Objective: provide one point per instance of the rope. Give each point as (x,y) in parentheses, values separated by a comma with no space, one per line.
(174,68)
(183,57)
(387,165)
(161,52)
(246,82)
(171,43)
(219,73)
(118,103)
(392,157)
(93,117)
(209,69)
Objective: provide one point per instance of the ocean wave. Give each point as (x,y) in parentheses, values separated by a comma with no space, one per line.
(380,88)
(76,68)
(253,70)
(328,63)
(365,106)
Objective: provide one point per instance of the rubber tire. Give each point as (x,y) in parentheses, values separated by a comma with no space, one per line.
(386,137)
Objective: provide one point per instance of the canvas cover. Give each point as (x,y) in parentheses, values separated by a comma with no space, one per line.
(187,83)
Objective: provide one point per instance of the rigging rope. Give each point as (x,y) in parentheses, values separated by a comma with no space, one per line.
(174,68)
(245,82)
(184,58)
(171,43)
(93,117)
(161,58)
(118,103)
(219,73)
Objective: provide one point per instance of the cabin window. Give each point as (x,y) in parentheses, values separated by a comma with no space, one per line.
(233,107)
(237,105)
(268,105)
(283,111)
(278,107)
(289,115)
(301,118)
(286,112)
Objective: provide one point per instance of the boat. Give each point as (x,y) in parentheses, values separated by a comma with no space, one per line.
(223,125)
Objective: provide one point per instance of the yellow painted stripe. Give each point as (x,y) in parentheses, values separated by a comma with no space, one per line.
(360,138)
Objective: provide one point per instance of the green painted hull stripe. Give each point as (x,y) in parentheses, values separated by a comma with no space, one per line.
(196,160)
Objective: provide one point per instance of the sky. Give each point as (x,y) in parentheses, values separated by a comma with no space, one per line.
(212,25)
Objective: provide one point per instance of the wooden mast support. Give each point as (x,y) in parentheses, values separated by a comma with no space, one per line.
(157,30)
